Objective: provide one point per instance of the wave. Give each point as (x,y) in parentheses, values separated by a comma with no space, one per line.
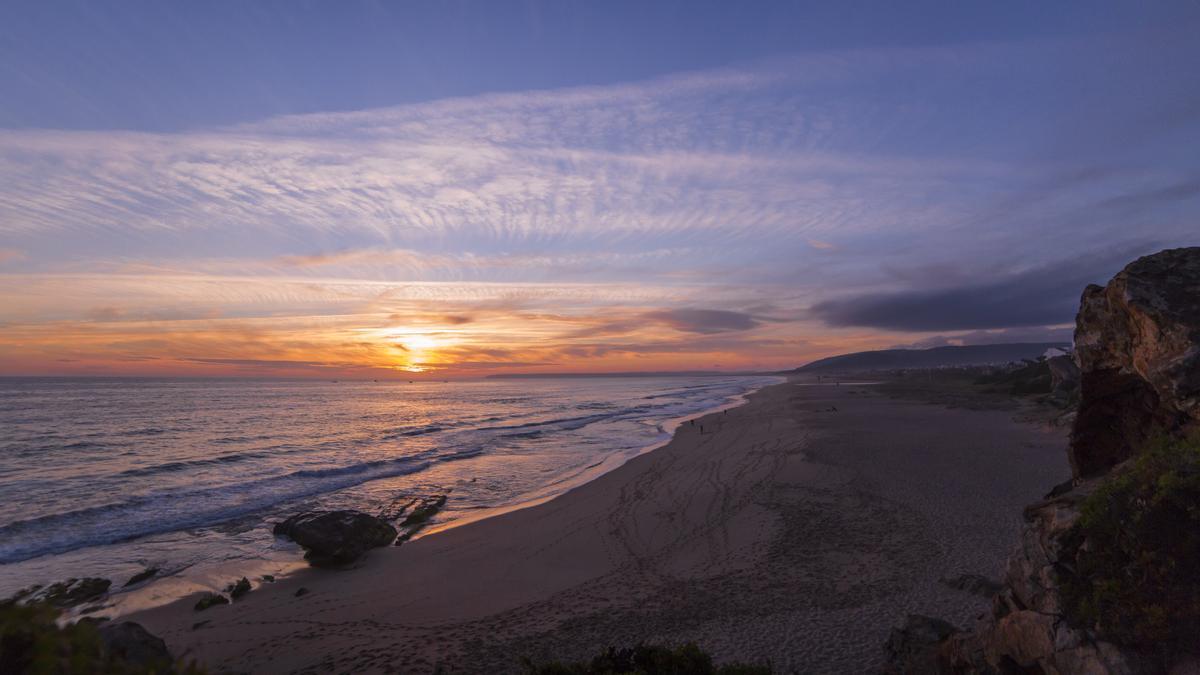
(416,431)
(170,511)
(459,437)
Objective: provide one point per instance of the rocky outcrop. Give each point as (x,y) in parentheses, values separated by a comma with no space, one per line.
(336,537)
(66,594)
(1064,377)
(135,645)
(1138,351)
(1026,630)
(1137,342)
(913,647)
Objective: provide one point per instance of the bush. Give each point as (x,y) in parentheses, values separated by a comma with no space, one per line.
(31,642)
(647,660)
(1136,548)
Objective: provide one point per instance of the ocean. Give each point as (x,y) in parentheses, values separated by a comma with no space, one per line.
(107,477)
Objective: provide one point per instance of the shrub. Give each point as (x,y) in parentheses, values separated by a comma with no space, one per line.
(1136,549)
(31,642)
(647,660)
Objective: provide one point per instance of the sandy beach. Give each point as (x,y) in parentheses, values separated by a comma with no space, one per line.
(796,529)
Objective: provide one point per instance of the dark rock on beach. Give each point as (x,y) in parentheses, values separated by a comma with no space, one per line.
(134,644)
(336,537)
(210,600)
(911,648)
(73,592)
(138,578)
(239,588)
(426,510)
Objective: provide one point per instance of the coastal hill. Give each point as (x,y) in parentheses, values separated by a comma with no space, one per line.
(936,357)
(883,359)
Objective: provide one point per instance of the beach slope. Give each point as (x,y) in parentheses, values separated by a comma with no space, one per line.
(796,529)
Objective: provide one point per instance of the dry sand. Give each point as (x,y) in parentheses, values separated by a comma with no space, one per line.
(787,532)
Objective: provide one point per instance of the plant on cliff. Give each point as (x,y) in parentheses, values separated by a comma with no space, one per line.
(1136,549)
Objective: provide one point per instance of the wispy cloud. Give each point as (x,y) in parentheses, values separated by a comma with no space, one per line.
(749,216)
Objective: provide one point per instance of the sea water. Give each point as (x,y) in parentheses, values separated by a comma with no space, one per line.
(107,477)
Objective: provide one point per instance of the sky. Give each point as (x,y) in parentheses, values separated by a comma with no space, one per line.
(457,189)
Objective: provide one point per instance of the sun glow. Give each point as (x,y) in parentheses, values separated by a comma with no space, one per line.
(415,352)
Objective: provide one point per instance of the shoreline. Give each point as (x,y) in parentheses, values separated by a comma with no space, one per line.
(611,463)
(174,587)
(756,540)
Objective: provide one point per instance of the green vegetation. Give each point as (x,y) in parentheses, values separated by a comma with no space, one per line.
(647,660)
(1137,552)
(1031,378)
(32,643)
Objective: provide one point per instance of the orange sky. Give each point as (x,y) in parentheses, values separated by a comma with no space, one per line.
(156,324)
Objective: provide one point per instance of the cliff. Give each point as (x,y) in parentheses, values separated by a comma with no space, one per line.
(1106,576)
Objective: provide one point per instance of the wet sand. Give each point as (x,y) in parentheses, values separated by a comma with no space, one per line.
(796,529)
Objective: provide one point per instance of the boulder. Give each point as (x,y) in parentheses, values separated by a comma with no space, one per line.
(210,600)
(914,646)
(238,588)
(336,537)
(132,643)
(1137,343)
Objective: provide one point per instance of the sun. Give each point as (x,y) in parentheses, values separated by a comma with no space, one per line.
(419,342)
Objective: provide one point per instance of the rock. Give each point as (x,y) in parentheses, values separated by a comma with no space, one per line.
(428,509)
(1137,343)
(301,591)
(134,644)
(138,578)
(210,600)
(974,583)
(73,592)
(239,588)
(914,647)
(336,537)
(1064,377)
(269,578)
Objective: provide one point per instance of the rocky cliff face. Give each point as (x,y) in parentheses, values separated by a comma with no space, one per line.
(1138,349)
(1137,341)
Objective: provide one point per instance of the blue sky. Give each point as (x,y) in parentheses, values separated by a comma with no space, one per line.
(582,185)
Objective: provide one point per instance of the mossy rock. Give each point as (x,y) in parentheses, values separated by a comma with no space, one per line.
(428,509)
(210,600)
(238,588)
(145,574)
